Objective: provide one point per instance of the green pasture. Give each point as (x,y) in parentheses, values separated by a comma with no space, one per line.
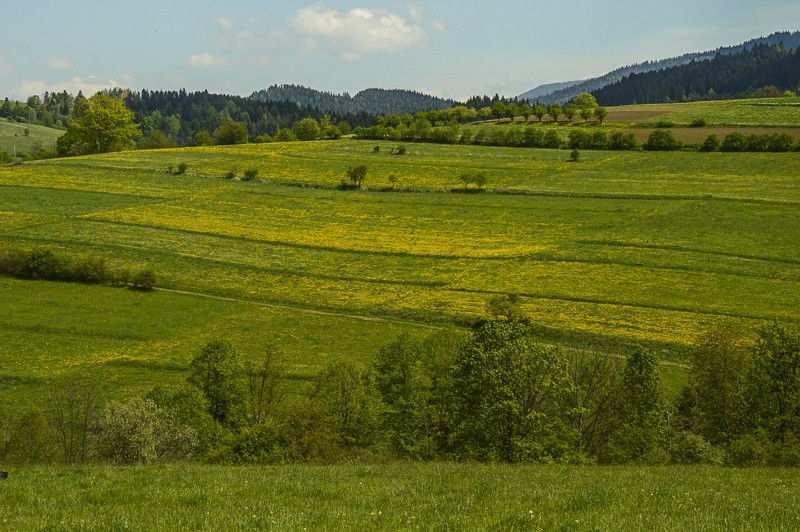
(627,247)
(772,112)
(400,496)
(14,134)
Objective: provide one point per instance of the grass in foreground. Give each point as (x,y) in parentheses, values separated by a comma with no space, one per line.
(400,496)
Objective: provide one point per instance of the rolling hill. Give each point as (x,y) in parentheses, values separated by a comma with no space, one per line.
(790,40)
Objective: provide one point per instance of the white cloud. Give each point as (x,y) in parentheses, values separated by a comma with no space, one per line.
(59,62)
(360,31)
(88,85)
(207,60)
(224,22)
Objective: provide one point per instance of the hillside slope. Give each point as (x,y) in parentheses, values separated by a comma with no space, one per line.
(790,40)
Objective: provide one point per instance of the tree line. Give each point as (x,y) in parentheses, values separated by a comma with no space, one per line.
(721,77)
(496,394)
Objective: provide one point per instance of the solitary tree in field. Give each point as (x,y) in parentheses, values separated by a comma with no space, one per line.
(100,124)
(357,174)
(230,132)
(308,129)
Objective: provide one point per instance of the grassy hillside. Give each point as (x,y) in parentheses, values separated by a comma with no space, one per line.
(634,247)
(401,496)
(14,134)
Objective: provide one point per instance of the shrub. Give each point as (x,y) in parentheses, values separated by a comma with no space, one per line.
(357,174)
(144,279)
(688,448)
(574,155)
(231,174)
(552,140)
(182,167)
(698,122)
(376,149)
(749,450)
(710,144)
(250,174)
(662,140)
(734,142)
(622,141)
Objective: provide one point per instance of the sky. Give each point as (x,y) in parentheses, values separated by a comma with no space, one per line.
(447,48)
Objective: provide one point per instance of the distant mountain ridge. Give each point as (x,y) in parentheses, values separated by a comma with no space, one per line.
(790,40)
(373,101)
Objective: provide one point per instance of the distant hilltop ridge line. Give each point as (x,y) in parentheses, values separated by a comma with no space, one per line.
(373,100)
(789,39)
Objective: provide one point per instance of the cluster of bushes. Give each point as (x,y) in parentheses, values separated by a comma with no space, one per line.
(737,142)
(497,394)
(51,265)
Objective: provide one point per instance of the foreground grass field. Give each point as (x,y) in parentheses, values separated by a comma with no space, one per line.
(631,247)
(400,496)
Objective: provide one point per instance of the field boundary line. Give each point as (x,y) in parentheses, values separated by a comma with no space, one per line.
(299,309)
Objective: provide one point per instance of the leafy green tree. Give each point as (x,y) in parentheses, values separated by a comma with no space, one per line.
(585,101)
(217,372)
(734,142)
(512,111)
(100,124)
(526,110)
(139,432)
(554,110)
(357,174)
(600,113)
(511,390)
(499,109)
(506,306)
(307,129)
(552,140)
(230,132)
(641,432)
(592,401)
(352,404)
(284,135)
(718,381)
(775,382)
(587,113)
(203,138)
(570,110)
(32,440)
(72,411)
(539,111)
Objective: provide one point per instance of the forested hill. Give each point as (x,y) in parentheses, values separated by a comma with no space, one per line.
(724,76)
(181,115)
(790,40)
(373,101)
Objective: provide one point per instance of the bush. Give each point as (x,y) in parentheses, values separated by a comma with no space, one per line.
(250,174)
(749,450)
(662,140)
(144,279)
(356,175)
(688,448)
(734,142)
(622,141)
(710,144)
(574,155)
(182,167)
(698,122)
(231,174)
(139,432)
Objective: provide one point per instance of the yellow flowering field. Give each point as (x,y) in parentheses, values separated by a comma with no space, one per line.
(638,247)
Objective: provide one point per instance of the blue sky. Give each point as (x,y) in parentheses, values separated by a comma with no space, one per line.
(444,47)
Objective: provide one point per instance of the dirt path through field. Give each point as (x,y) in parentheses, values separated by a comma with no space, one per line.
(345,315)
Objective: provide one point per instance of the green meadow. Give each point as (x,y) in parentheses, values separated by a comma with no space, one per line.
(26,138)
(622,247)
(405,496)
